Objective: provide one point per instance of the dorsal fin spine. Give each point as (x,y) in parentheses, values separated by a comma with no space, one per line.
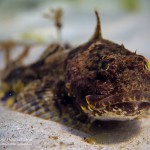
(97,34)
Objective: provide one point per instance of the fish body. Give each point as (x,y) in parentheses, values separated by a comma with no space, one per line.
(98,80)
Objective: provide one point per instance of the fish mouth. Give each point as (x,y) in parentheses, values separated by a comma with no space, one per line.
(135,96)
(121,106)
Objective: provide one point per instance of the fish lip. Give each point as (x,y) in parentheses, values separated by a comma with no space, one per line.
(135,96)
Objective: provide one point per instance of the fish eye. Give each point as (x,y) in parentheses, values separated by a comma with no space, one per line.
(104,65)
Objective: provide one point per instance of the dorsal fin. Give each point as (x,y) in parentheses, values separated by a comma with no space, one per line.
(97,34)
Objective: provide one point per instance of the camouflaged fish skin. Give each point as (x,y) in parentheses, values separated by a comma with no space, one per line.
(98,80)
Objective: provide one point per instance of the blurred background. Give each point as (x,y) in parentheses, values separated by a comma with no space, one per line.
(123,21)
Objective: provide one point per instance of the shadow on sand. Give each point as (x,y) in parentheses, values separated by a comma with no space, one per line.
(111,132)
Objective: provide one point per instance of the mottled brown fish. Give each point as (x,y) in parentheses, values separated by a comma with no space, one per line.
(98,80)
